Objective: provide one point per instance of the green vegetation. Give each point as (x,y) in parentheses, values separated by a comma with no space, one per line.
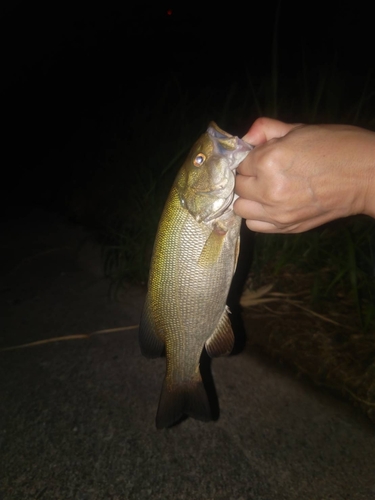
(142,164)
(338,258)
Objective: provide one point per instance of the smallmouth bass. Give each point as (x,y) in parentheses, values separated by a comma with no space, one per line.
(194,258)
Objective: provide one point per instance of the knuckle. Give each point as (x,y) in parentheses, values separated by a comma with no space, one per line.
(261,121)
(277,192)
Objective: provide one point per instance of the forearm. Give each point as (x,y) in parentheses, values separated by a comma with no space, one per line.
(369,196)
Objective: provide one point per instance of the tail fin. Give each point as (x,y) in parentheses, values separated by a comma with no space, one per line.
(185,399)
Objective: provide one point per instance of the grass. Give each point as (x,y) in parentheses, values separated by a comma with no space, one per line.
(135,198)
(339,256)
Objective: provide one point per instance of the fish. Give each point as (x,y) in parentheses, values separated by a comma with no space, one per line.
(193,261)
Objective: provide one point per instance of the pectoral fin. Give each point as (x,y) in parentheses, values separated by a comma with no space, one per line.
(151,345)
(212,249)
(221,341)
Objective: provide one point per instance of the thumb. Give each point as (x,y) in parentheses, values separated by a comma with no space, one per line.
(264,129)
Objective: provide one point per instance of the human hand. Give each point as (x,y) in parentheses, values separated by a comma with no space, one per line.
(301,176)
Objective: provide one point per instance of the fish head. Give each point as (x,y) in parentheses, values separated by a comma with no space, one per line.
(206,181)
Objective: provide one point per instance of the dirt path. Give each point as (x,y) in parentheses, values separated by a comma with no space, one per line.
(77,417)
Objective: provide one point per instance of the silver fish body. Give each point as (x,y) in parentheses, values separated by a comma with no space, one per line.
(194,259)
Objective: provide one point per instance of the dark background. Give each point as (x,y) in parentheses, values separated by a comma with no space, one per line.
(74,75)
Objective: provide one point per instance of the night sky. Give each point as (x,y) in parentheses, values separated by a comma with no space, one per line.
(65,65)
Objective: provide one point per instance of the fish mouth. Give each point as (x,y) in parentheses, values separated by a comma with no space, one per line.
(226,207)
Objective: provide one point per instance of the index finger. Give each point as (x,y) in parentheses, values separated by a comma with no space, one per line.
(264,129)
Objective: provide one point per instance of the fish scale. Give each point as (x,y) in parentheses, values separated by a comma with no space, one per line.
(194,258)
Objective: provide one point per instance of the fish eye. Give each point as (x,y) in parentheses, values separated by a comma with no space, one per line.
(199,160)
